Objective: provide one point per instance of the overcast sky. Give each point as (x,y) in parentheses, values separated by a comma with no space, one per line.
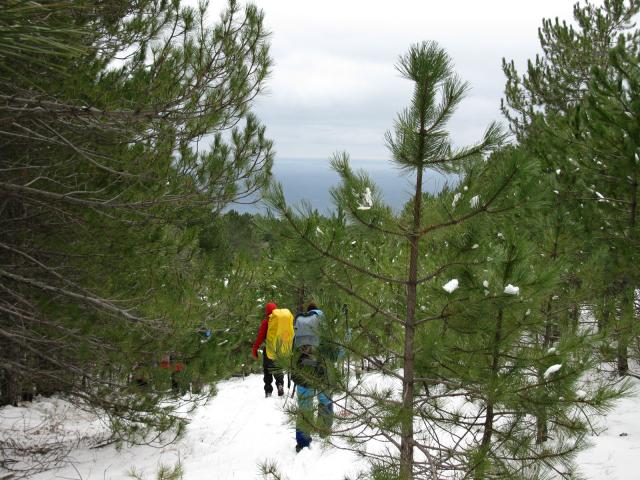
(334,86)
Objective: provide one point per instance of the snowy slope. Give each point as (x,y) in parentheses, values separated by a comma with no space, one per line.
(228,438)
(615,453)
(239,429)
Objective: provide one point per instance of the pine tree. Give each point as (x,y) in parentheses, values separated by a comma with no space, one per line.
(552,110)
(607,134)
(420,144)
(460,290)
(497,352)
(105,190)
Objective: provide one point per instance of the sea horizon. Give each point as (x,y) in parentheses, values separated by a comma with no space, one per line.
(310,180)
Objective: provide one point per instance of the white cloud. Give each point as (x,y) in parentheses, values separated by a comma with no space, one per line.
(316,78)
(334,86)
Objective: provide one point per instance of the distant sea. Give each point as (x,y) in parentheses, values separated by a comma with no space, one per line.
(311,179)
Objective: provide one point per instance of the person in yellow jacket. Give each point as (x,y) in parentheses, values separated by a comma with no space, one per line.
(276,330)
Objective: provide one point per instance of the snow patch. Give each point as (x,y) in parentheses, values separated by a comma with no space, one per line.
(367,200)
(552,369)
(456,198)
(512,290)
(451,285)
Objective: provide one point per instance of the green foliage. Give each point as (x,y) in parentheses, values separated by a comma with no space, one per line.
(117,254)
(394,267)
(574,110)
(269,470)
(477,393)
(110,259)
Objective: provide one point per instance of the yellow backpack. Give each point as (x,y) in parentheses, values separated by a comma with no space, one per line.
(279,333)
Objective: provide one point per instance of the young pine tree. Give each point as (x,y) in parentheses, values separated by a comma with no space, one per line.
(419,145)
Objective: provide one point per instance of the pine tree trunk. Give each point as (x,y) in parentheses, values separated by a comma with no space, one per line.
(11,387)
(495,365)
(542,429)
(604,319)
(408,384)
(627,314)
(542,432)
(408,379)
(406,437)
(487,434)
(574,317)
(485,444)
(624,330)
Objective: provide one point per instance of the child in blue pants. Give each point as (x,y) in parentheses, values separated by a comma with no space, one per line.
(312,359)
(305,420)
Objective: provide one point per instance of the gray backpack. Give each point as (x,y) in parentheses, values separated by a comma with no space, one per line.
(306,344)
(307,329)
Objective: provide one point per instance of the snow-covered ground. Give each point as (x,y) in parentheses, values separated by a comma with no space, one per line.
(615,452)
(235,432)
(227,438)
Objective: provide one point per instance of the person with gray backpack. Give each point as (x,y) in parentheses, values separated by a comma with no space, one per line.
(312,366)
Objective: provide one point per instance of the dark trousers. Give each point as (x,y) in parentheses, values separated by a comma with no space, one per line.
(270,371)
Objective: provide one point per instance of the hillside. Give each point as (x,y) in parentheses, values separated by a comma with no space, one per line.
(238,430)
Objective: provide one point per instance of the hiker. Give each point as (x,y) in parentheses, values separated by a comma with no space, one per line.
(138,376)
(276,330)
(196,375)
(312,369)
(178,382)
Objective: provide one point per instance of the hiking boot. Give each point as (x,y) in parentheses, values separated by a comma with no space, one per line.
(267,394)
(298,448)
(280,390)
